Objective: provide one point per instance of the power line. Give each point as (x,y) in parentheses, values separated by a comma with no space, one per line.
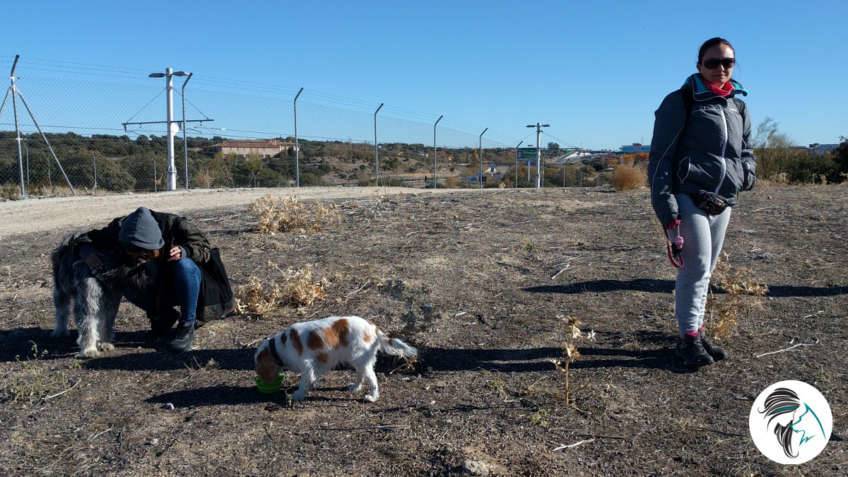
(146,105)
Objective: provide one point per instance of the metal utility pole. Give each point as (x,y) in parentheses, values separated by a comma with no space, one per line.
(515,186)
(538,127)
(169,120)
(296,143)
(16,94)
(377,146)
(480,146)
(435,184)
(185,140)
(14,91)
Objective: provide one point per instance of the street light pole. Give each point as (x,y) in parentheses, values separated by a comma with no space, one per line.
(185,139)
(435,184)
(515,186)
(296,143)
(538,127)
(172,170)
(480,145)
(377,147)
(169,120)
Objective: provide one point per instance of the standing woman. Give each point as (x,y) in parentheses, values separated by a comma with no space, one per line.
(700,160)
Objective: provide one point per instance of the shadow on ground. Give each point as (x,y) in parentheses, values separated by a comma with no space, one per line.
(652,285)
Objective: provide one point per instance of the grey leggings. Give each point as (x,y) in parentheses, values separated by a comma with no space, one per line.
(703,237)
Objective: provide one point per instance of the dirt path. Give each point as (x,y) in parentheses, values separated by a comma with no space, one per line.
(39,215)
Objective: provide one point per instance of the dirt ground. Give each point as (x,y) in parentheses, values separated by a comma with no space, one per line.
(480,283)
(38,215)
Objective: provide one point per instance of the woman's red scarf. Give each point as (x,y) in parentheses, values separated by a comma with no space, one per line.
(723,91)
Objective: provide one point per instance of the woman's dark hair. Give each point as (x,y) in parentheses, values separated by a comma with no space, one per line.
(782,401)
(711,43)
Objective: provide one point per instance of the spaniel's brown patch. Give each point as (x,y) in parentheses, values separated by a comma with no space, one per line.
(298,346)
(314,341)
(367,338)
(338,334)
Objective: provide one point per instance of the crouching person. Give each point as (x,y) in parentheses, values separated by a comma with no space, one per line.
(158,261)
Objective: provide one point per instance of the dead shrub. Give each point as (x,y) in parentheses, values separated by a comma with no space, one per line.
(724,315)
(299,288)
(628,177)
(256,299)
(294,287)
(570,353)
(741,298)
(290,215)
(737,281)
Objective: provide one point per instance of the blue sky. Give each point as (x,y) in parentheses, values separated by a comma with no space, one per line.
(595,71)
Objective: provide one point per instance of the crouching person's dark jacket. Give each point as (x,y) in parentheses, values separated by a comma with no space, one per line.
(148,285)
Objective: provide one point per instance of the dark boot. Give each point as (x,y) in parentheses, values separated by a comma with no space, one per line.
(716,352)
(162,322)
(182,339)
(691,351)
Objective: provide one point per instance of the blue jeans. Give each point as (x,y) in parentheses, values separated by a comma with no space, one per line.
(186,278)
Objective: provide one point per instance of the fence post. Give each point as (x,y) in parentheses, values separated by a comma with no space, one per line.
(94,166)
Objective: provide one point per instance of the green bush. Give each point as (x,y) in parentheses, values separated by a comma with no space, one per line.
(796,166)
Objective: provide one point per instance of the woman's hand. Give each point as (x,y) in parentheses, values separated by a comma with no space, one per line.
(175,254)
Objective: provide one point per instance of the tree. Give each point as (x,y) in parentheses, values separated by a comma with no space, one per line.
(841,156)
(553,148)
(768,136)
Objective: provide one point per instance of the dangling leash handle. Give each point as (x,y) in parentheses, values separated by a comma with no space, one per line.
(674,243)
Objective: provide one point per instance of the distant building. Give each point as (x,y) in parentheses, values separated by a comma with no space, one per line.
(574,157)
(822,149)
(635,148)
(263,148)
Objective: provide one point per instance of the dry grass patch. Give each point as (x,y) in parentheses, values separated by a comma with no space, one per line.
(742,298)
(290,215)
(628,177)
(294,287)
(34,381)
(737,280)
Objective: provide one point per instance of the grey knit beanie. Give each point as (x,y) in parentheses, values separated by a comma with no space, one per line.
(141,230)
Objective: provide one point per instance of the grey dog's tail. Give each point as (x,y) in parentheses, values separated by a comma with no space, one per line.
(396,347)
(66,246)
(62,259)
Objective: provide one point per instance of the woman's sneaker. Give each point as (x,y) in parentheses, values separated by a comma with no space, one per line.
(716,352)
(691,351)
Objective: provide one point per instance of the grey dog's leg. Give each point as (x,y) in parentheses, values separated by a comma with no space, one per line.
(62,304)
(63,288)
(87,304)
(110,301)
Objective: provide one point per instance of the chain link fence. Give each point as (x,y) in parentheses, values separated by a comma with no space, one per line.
(240,135)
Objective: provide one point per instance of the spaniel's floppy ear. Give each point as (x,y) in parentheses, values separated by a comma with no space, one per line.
(266,366)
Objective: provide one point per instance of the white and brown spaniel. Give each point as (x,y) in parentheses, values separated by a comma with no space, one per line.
(314,347)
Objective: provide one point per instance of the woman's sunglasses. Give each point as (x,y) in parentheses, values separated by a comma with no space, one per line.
(713,63)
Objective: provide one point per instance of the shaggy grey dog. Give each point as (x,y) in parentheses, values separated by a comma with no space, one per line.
(95,299)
